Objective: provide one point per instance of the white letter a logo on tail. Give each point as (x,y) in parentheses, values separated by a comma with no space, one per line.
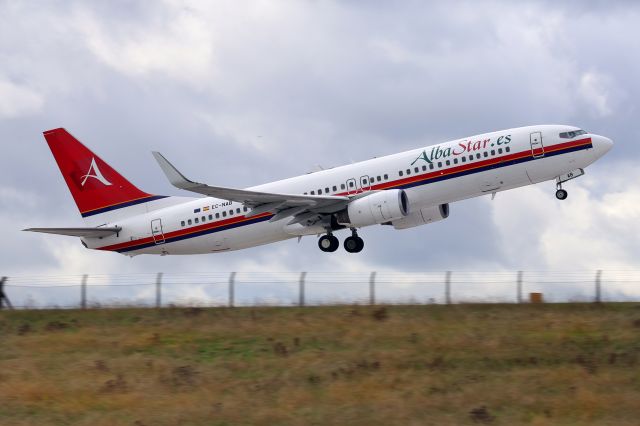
(96,174)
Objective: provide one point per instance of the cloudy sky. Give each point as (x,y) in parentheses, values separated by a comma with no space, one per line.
(242,93)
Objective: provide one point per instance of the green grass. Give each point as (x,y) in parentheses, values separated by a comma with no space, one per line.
(562,364)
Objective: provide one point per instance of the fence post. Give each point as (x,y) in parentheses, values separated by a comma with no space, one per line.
(303,275)
(372,288)
(598,289)
(159,290)
(232,280)
(83,292)
(519,287)
(447,288)
(3,295)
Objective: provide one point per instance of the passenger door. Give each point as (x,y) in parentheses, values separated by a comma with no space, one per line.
(537,148)
(156,231)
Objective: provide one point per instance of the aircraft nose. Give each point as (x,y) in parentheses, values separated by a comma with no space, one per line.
(602,145)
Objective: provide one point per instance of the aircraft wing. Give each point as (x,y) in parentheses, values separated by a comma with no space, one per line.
(78,232)
(283,205)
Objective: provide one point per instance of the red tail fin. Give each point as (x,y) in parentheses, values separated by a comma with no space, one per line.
(95,186)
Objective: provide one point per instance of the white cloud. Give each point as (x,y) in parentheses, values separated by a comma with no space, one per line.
(18,100)
(595,228)
(179,46)
(320,82)
(595,91)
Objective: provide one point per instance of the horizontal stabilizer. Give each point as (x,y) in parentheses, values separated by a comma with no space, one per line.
(78,232)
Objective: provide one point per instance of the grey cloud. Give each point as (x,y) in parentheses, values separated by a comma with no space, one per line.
(300,85)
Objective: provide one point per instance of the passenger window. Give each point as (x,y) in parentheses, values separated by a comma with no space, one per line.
(493,152)
(230,212)
(431,166)
(455,161)
(204,219)
(400,172)
(304,193)
(416,170)
(217,215)
(189,221)
(471,158)
(448,163)
(238,211)
(499,150)
(224,214)
(182,223)
(424,168)
(210,217)
(507,149)
(313,192)
(351,184)
(408,172)
(386,177)
(335,188)
(245,209)
(379,179)
(478,156)
(319,191)
(439,163)
(196,220)
(486,154)
(342,186)
(464,159)
(326,190)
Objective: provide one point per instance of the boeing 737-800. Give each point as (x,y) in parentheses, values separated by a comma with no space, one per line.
(404,190)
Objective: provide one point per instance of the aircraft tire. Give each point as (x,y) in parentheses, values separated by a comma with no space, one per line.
(561,194)
(353,244)
(328,243)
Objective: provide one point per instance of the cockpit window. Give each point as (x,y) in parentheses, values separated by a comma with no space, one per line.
(572,134)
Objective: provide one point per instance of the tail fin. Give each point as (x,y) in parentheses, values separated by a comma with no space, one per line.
(95,186)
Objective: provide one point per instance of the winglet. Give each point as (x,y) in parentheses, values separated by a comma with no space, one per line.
(176,178)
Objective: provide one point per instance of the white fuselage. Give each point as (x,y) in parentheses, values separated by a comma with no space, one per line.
(430,176)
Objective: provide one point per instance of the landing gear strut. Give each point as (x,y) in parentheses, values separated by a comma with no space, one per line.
(353,244)
(561,194)
(328,243)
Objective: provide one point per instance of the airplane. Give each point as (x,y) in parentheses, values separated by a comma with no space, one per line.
(403,190)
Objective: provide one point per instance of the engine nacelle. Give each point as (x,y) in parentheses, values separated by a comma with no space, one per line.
(376,208)
(422,217)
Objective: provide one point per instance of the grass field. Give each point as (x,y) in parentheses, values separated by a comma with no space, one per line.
(558,364)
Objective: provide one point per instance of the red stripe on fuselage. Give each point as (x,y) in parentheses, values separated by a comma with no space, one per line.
(182,232)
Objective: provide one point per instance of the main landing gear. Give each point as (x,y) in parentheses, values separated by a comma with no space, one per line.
(328,243)
(352,244)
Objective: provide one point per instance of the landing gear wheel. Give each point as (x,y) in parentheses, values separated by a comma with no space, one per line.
(328,243)
(353,244)
(561,194)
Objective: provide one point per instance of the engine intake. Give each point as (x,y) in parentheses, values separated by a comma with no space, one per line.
(376,208)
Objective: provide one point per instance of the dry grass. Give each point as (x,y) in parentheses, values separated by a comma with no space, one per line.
(413,365)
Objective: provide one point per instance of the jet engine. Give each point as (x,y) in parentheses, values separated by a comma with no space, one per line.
(422,217)
(375,208)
